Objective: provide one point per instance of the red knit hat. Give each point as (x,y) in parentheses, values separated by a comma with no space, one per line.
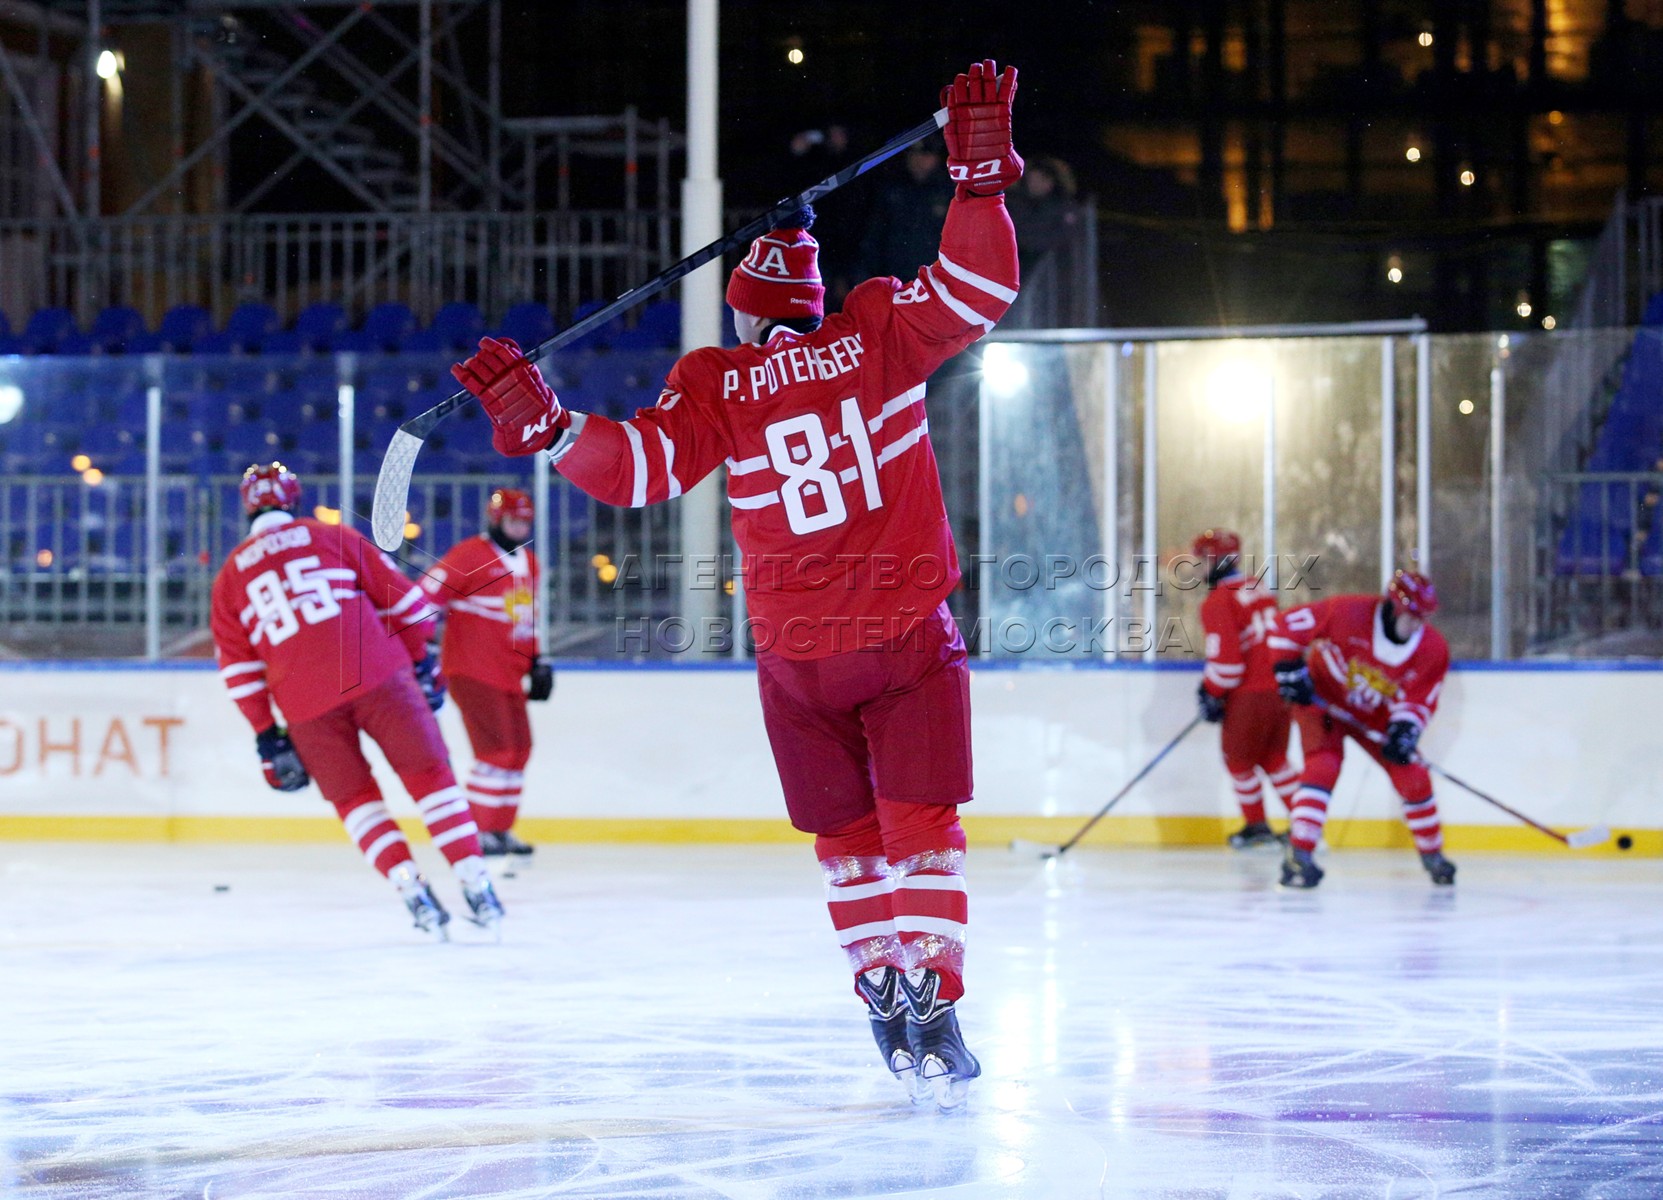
(780,277)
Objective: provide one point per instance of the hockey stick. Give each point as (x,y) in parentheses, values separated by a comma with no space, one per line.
(1580,839)
(1045,851)
(392,485)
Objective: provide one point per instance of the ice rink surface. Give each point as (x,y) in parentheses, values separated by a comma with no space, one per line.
(664,1022)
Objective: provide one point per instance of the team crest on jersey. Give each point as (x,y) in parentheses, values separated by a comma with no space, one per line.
(1367,687)
(516,603)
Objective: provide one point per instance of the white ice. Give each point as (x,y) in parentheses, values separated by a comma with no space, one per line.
(677,1022)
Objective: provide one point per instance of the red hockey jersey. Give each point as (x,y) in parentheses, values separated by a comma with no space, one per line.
(1237,616)
(490,596)
(836,497)
(1354,664)
(310,615)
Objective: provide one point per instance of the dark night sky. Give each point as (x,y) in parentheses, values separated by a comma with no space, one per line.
(876,68)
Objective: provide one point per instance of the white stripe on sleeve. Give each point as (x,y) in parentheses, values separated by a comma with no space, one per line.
(997,290)
(638,453)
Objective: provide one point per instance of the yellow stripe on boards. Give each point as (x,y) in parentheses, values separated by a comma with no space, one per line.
(989,832)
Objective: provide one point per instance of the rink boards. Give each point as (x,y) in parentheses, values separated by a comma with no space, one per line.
(664,754)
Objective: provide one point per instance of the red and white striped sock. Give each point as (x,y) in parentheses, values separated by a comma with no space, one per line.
(450,821)
(1285,781)
(494,793)
(1310,811)
(369,824)
(1248,796)
(859,894)
(931,911)
(1424,827)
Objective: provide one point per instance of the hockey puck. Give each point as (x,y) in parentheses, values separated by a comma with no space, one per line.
(222,887)
(510,875)
(1624,842)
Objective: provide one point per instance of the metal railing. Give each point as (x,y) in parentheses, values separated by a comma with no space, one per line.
(77,557)
(561,259)
(1599,563)
(1627,266)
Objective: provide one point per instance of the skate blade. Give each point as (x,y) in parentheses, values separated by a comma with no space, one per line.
(491,925)
(950,1092)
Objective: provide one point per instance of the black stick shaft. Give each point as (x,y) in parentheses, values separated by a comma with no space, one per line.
(1375,737)
(422,425)
(1130,784)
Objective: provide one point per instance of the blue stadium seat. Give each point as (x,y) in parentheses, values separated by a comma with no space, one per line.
(386,326)
(46,331)
(457,326)
(253,441)
(318,325)
(182,327)
(527,323)
(105,441)
(245,331)
(659,328)
(112,331)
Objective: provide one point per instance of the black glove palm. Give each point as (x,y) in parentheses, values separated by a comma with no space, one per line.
(1293,681)
(278,759)
(432,683)
(1399,746)
(541,677)
(1212,707)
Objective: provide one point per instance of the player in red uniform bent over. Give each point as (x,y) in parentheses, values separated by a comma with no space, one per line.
(487,587)
(1238,685)
(314,617)
(837,510)
(1378,662)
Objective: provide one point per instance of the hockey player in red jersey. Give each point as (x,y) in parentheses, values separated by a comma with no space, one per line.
(1238,685)
(848,559)
(487,587)
(315,618)
(1379,666)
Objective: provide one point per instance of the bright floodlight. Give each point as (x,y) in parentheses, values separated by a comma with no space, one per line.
(11,401)
(1003,372)
(107,65)
(1239,390)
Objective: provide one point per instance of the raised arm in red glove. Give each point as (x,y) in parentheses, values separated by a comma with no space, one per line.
(524,411)
(979,154)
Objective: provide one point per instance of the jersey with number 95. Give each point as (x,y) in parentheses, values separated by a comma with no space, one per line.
(836,497)
(310,615)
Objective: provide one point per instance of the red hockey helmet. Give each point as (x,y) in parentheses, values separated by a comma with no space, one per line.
(270,486)
(1216,544)
(509,502)
(1413,593)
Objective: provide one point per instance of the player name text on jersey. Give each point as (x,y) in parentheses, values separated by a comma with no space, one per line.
(796,364)
(277,540)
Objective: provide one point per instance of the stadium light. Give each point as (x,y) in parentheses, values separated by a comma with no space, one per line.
(1002,371)
(11,402)
(1239,391)
(108,64)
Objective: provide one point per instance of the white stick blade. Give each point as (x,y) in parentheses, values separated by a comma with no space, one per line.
(392,490)
(1582,839)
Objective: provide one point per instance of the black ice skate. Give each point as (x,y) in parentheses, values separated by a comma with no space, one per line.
(1254,833)
(945,1066)
(1299,869)
(430,916)
(484,909)
(495,845)
(887,1009)
(1439,867)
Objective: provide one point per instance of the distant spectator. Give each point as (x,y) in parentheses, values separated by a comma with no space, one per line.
(1048,233)
(817,154)
(903,225)
(1043,210)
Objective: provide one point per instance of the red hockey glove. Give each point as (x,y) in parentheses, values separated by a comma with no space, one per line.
(979,154)
(524,410)
(284,770)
